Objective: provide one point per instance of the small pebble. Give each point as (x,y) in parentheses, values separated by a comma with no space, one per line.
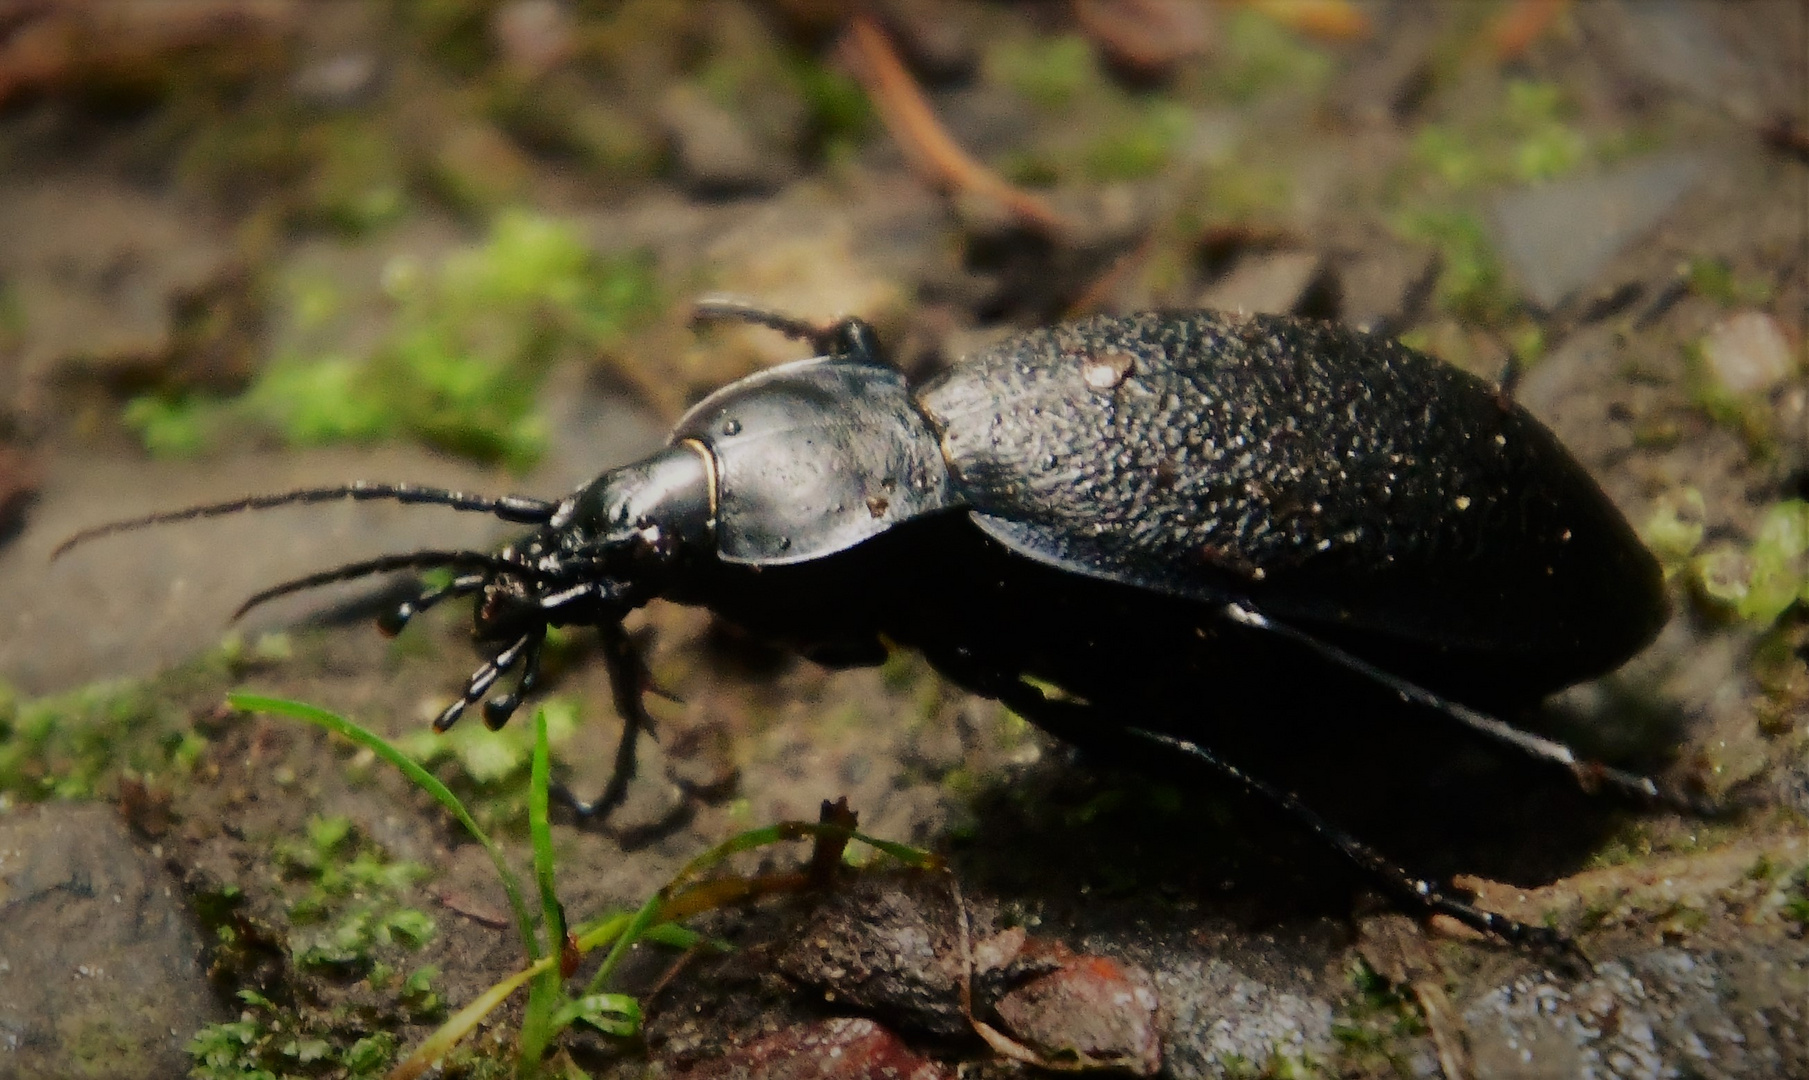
(1748,353)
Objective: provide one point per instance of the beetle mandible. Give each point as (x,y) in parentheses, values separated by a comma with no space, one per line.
(1099,506)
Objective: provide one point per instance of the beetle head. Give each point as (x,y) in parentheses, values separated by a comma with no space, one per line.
(605,550)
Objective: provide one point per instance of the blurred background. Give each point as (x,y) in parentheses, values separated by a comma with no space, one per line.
(254,244)
(373,233)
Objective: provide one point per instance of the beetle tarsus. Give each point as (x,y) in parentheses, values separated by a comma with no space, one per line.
(482,680)
(498,709)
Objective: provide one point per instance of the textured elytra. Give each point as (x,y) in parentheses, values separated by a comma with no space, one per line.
(1331,475)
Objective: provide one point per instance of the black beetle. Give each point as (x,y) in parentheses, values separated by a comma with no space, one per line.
(1127,508)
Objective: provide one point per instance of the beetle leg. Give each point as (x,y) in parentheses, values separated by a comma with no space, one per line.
(498,709)
(383,564)
(1078,724)
(847,336)
(482,680)
(628,683)
(1590,775)
(1413,891)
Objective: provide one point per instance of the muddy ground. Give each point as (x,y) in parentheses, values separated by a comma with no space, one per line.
(261,245)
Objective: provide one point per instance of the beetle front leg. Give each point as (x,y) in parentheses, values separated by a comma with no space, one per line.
(628,685)
(497,710)
(483,679)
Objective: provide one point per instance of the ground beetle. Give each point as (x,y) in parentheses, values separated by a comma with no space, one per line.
(1129,509)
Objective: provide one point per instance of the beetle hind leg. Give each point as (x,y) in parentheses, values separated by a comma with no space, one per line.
(1590,776)
(1079,725)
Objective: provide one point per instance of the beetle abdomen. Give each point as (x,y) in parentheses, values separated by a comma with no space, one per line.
(1332,477)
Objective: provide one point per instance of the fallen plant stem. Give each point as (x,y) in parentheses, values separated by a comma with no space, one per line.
(1524,22)
(926,143)
(1329,20)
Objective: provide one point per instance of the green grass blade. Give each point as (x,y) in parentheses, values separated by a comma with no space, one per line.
(541,1020)
(612,1014)
(541,833)
(441,1042)
(631,933)
(421,778)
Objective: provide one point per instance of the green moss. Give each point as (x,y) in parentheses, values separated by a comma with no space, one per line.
(493,765)
(1239,190)
(1141,146)
(1758,582)
(1526,341)
(1714,279)
(1527,138)
(265,1044)
(174,427)
(1050,72)
(1675,528)
(358,181)
(1545,146)
(461,364)
(1376,1017)
(350,892)
(1796,898)
(322,401)
(1261,55)
(1749,415)
(1471,283)
(839,107)
(66,745)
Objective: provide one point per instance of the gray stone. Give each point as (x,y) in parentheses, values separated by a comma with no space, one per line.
(95,268)
(1748,353)
(100,965)
(716,151)
(1662,1013)
(1558,237)
(1264,285)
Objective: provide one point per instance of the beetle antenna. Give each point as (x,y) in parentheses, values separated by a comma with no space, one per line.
(411,560)
(515,508)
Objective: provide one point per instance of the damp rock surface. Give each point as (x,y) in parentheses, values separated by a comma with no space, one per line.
(102,972)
